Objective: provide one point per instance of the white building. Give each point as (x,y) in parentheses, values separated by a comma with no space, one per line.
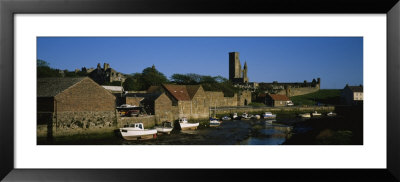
(353,95)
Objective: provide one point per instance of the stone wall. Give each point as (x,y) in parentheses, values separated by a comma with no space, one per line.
(163,109)
(244,98)
(217,99)
(73,123)
(230,110)
(298,91)
(148,121)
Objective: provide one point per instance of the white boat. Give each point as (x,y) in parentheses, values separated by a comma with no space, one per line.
(315,113)
(136,131)
(256,116)
(331,114)
(245,116)
(269,115)
(305,115)
(185,125)
(166,127)
(214,122)
(226,118)
(234,116)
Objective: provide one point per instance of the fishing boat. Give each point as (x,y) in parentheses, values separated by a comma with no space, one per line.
(214,122)
(166,127)
(305,115)
(136,131)
(269,115)
(315,113)
(331,114)
(185,125)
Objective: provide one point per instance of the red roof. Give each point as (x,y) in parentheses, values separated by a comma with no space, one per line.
(182,92)
(178,91)
(278,97)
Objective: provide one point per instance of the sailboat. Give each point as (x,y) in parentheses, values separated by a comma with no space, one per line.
(214,121)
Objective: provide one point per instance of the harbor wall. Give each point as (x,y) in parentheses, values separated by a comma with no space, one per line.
(230,110)
(68,124)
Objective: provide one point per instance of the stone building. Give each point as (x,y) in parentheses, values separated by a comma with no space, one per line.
(193,102)
(276,100)
(352,95)
(236,74)
(106,74)
(73,103)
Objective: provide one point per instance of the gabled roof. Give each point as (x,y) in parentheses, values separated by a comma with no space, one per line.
(179,92)
(50,87)
(278,97)
(192,90)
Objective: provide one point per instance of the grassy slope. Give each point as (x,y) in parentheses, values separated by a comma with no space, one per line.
(324,96)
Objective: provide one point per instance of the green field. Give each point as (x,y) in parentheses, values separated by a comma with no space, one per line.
(323,96)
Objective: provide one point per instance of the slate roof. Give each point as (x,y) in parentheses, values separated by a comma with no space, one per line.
(356,88)
(278,97)
(50,87)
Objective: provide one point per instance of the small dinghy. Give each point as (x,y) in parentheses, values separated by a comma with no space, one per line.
(166,127)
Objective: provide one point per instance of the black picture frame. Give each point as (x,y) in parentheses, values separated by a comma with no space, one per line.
(8,8)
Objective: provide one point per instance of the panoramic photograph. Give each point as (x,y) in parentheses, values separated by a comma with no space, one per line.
(199,91)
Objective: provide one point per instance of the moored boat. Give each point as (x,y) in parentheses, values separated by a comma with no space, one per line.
(245,116)
(226,118)
(214,122)
(235,116)
(315,113)
(185,125)
(136,131)
(305,115)
(269,115)
(256,116)
(331,114)
(166,127)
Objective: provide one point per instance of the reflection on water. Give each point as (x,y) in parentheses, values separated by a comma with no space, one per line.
(263,141)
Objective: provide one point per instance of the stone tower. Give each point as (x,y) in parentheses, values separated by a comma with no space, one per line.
(235,70)
(245,78)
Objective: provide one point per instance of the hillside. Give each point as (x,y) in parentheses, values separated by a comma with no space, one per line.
(323,96)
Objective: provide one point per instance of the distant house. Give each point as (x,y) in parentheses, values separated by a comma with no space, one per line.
(71,102)
(352,95)
(276,100)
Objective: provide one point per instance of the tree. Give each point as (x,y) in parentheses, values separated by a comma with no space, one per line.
(42,63)
(150,76)
(129,84)
(43,70)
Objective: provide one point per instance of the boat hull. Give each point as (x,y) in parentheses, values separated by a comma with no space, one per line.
(137,134)
(188,126)
(214,123)
(163,130)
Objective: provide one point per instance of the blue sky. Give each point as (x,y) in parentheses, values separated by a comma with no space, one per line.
(336,60)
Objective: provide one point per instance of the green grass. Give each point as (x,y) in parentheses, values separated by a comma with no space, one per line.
(323,96)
